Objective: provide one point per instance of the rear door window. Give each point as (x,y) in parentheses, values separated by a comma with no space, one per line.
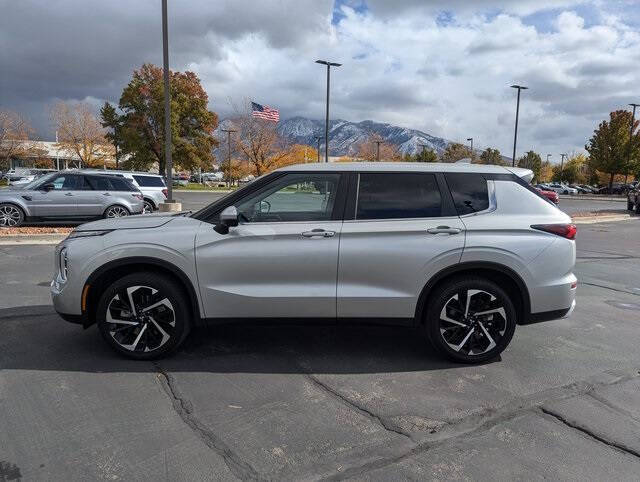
(149,181)
(398,195)
(122,184)
(100,183)
(469,191)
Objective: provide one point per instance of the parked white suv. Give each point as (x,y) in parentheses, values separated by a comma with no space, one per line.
(152,186)
(462,252)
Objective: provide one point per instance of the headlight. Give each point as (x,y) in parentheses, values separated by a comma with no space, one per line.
(63,264)
(86,234)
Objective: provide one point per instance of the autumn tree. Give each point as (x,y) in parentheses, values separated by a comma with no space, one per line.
(491,156)
(298,154)
(80,132)
(531,160)
(15,132)
(142,120)
(572,171)
(259,142)
(375,148)
(610,147)
(546,172)
(455,152)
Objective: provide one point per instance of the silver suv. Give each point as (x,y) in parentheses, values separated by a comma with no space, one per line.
(152,186)
(69,196)
(462,252)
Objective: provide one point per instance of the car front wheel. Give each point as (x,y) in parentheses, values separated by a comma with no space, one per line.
(629,205)
(11,216)
(144,316)
(470,320)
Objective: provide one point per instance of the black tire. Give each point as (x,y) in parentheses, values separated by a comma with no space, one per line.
(116,211)
(637,206)
(149,334)
(496,328)
(11,216)
(629,205)
(148,207)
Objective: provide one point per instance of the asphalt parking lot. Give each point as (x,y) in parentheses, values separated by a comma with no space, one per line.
(326,402)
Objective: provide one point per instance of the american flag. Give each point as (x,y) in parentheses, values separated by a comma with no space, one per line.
(264,112)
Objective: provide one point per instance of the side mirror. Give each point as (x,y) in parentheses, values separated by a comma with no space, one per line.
(228,219)
(48,187)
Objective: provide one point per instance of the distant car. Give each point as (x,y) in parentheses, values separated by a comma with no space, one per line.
(152,186)
(615,189)
(550,195)
(180,180)
(633,199)
(69,196)
(561,189)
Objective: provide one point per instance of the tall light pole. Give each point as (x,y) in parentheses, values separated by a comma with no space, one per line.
(515,135)
(562,156)
(228,131)
(633,120)
(326,123)
(378,149)
(318,138)
(471,139)
(548,156)
(167,106)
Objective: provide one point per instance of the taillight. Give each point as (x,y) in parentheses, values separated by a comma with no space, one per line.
(164,191)
(565,230)
(138,195)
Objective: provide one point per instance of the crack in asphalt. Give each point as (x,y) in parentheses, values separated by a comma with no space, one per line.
(382,421)
(611,406)
(489,418)
(241,469)
(589,433)
(609,288)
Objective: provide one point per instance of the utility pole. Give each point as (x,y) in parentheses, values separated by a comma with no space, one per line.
(326,123)
(548,156)
(229,131)
(378,149)
(633,121)
(471,139)
(562,156)
(515,135)
(318,138)
(167,104)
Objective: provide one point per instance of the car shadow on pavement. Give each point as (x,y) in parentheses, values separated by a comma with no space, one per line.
(36,338)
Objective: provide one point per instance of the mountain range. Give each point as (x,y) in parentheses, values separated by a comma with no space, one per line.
(345,136)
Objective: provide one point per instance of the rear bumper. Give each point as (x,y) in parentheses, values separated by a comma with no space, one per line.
(549,315)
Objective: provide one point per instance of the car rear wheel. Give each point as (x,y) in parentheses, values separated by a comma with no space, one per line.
(11,216)
(148,207)
(144,316)
(470,320)
(116,212)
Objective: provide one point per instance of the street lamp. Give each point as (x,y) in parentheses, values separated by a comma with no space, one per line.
(515,135)
(167,107)
(318,138)
(633,120)
(562,156)
(229,131)
(548,156)
(326,124)
(471,139)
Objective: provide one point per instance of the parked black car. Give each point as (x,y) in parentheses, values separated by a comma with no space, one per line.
(633,199)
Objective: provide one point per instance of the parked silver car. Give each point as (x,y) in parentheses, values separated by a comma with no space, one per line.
(462,252)
(152,186)
(69,196)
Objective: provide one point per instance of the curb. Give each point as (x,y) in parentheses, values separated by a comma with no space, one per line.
(586,197)
(30,239)
(602,219)
(205,191)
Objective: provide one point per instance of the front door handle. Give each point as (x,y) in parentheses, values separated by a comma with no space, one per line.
(443,230)
(69,194)
(318,233)
(106,194)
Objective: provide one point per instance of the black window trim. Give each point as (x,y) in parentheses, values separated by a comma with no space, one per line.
(447,208)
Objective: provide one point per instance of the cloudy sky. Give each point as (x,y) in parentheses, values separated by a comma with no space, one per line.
(442,66)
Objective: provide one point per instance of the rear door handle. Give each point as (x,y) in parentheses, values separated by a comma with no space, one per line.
(318,233)
(443,230)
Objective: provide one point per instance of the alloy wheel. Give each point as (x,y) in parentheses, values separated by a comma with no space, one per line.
(473,322)
(117,212)
(140,318)
(10,216)
(148,208)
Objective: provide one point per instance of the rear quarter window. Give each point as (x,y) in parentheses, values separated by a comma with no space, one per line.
(122,184)
(149,181)
(469,191)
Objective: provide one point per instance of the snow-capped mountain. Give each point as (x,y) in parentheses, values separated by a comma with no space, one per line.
(344,136)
